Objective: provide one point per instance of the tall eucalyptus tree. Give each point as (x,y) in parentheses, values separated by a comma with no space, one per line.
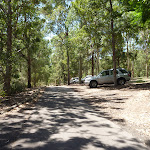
(57,13)
(7,14)
(15,37)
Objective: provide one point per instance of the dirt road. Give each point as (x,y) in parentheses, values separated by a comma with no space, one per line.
(62,120)
(126,105)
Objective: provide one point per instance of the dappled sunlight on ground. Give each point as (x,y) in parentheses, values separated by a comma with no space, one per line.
(61,120)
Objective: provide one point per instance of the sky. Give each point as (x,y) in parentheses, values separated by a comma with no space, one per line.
(49,36)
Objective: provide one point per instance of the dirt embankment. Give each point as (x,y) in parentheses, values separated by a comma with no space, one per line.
(15,101)
(128,105)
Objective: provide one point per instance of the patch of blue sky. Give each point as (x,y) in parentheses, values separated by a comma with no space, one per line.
(132,45)
(49,36)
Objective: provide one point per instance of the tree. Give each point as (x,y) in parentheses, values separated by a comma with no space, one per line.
(79,41)
(145,43)
(15,40)
(113,43)
(58,61)
(7,14)
(89,19)
(59,23)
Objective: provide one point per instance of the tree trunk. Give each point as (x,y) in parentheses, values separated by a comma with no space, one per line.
(146,70)
(118,62)
(92,63)
(80,69)
(68,66)
(113,44)
(133,69)
(28,59)
(147,65)
(98,61)
(7,79)
(63,76)
(29,70)
(68,58)
(127,55)
(146,49)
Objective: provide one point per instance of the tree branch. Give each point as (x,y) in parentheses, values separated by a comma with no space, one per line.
(1,70)
(21,54)
(60,37)
(2,8)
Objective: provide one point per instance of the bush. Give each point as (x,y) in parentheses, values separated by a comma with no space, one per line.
(2,93)
(17,86)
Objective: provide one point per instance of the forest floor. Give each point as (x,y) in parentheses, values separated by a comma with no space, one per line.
(19,100)
(128,105)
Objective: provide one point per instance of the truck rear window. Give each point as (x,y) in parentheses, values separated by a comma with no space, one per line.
(123,71)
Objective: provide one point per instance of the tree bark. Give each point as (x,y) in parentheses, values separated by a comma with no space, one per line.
(147,64)
(127,55)
(133,69)
(118,60)
(68,57)
(29,69)
(80,69)
(98,61)
(7,79)
(28,54)
(113,44)
(92,63)
(146,50)
(64,76)
(68,66)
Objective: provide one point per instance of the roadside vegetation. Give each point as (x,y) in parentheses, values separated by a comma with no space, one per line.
(140,80)
(88,36)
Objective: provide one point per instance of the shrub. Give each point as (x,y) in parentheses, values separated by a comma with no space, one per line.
(17,86)
(2,93)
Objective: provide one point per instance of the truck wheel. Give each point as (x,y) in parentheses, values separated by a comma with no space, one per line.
(121,81)
(93,84)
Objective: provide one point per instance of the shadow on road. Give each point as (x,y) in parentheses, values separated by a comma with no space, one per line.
(61,120)
(137,86)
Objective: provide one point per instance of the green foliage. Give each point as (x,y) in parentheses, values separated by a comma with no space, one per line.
(142,7)
(82,29)
(2,93)
(91,32)
(140,64)
(18,85)
(27,44)
(106,63)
